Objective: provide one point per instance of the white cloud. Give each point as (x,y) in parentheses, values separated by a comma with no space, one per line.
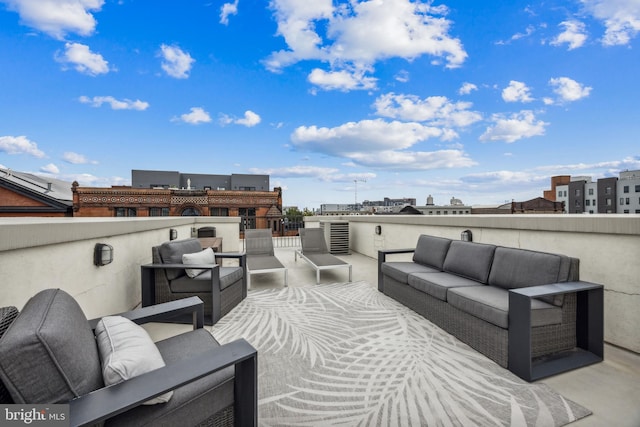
(195,117)
(358,34)
(517,126)
(381,144)
(574,35)
(402,76)
(362,136)
(83,60)
(435,110)
(467,88)
(176,63)
(516,92)
(20,145)
(50,168)
(414,160)
(296,172)
(341,80)
(250,119)
(226,10)
(569,90)
(58,17)
(76,159)
(620,17)
(125,104)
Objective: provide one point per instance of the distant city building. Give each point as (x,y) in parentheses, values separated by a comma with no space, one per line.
(606,195)
(24,194)
(455,207)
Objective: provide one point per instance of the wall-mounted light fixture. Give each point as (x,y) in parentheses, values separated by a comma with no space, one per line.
(102,254)
(378,230)
(173,234)
(466,236)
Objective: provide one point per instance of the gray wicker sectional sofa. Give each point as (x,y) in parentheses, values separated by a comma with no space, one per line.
(464,288)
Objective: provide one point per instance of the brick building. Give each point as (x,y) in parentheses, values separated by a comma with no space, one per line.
(165,193)
(24,194)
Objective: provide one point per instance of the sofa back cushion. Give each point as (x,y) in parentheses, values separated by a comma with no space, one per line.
(470,260)
(518,268)
(431,251)
(49,353)
(171,253)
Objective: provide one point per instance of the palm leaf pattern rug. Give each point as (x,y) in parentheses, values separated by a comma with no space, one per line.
(346,354)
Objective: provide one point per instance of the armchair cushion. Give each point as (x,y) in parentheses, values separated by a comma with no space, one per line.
(50,342)
(171,253)
(205,256)
(126,351)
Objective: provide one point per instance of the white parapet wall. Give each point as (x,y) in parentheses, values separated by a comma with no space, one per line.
(41,253)
(608,247)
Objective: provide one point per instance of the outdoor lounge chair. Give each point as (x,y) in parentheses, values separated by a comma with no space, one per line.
(51,354)
(260,254)
(314,251)
(221,288)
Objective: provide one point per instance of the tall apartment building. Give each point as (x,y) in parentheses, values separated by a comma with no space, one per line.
(606,195)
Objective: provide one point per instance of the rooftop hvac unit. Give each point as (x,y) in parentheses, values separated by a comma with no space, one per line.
(336,234)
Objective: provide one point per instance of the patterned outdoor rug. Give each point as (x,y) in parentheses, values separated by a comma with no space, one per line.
(345,354)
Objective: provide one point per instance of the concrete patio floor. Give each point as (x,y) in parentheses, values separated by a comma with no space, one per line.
(610,389)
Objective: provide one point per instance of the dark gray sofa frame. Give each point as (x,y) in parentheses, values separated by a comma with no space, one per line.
(107,402)
(531,352)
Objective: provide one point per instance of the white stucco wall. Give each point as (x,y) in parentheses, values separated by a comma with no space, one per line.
(41,253)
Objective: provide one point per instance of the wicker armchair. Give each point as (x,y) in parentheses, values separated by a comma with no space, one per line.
(50,355)
(220,288)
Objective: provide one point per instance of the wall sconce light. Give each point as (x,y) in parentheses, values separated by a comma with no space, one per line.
(102,254)
(173,234)
(466,236)
(378,230)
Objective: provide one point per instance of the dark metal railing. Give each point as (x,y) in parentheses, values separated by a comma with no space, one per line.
(284,230)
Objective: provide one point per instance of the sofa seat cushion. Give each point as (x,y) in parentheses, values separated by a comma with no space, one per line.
(518,268)
(470,260)
(400,270)
(431,251)
(192,403)
(491,304)
(202,282)
(171,253)
(437,284)
(49,353)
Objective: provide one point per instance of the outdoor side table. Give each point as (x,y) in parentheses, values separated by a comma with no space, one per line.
(589,330)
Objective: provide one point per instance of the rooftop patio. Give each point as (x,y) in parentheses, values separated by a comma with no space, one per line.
(45,257)
(609,389)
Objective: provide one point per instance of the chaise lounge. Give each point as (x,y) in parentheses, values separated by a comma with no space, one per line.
(315,252)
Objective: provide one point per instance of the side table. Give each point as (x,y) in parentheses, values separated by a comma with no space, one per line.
(589,330)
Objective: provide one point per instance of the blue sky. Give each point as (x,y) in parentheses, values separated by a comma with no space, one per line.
(335,100)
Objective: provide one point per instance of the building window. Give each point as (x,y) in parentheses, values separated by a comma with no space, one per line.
(608,202)
(587,202)
(607,190)
(125,211)
(626,211)
(626,201)
(219,211)
(625,189)
(591,191)
(577,192)
(621,201)
(593,202)
(559,193)
(637,188)
(158,211)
